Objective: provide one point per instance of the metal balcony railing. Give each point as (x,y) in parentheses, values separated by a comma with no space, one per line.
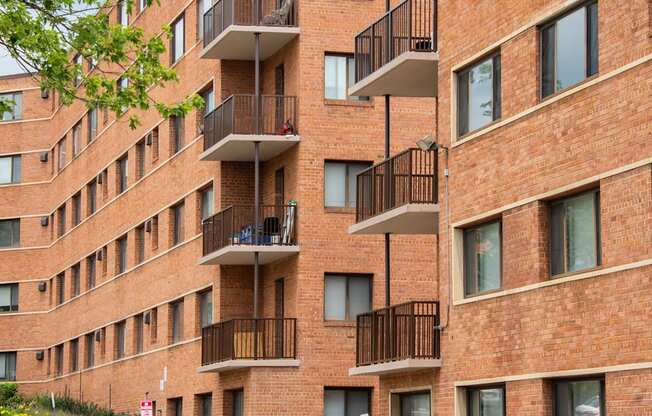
(408,330)
(410,177)
(276,115)
(235,225)
(410,26)
(225,13)
(249,339)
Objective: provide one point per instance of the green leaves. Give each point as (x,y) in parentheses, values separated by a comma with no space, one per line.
(45,36)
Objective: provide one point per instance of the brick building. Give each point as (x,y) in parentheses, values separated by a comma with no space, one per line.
(239,260)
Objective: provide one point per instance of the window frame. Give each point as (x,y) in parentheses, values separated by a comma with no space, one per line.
(178,225)
(496,90)
(17,98)
(347,305)
(89,353)
(76,206)
(91,271)
(346,390)
(74,355)
(8,370)
(349,60)
(176,325)
(15,169)
(122,166)
(175,56)
(206,295)
(598,232)
(91,197)
(203,196)
(92,124)
(75,280)
(476,292)
(347,163)
(469,389)
(122,255)
(14,297)
(553,22)
(14,224)
(599,378)
(120,339)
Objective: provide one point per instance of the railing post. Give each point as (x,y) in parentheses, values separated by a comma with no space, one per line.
(409,19)
(389,54)
(372,48)
(409,184)
(255,339)
(412,331)
(434,25)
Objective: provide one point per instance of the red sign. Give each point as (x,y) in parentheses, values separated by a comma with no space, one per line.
(146,408)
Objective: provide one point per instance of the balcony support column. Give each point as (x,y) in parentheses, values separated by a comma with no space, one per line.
(257,177)
(387,176)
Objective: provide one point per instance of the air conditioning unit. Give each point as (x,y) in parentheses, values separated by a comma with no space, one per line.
(44,156)
(98,335)
(98,255)
(45,93)
(42,286)
(45,221)
(40,355)
(147,318)
(148,226)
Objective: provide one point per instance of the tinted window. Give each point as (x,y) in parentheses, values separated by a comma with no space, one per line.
(482,258)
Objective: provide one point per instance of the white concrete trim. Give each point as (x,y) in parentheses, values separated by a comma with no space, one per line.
(238,364)
(392,367)
(556,374)
(250,138)
(362,226)
(290,30)
(244,248)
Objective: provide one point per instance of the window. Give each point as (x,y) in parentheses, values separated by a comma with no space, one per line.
(339,76)
(153,325)
(120,338)
(76,209)
(61,288)
(76,139)
(91,192)
(346,296)
(478,95)
(575,233)
(154,232)
(413,403)
(209,100)
(177,224)
(238,402)
(123,173)
(205,308)
(7,366)
(74,355)
(140,159)
(202,7)
(482,258)
(205,404)
(485,401)
(138,333)
(91,271)
(58,359)
(75,279)
(9,233)
(123,14)
(207,202)
(140,243)
(175,406)
(142,4)
(122,254)
(89,341)
(176,317)
(61,146)
(10,169)
(340,183)
(569,49)
(178,39)
(176,134)
(61,216)
(92,124)
(347,402)
(153,139)
(579,397)
(9,297)
(78,60)
(123,84)
(15,101)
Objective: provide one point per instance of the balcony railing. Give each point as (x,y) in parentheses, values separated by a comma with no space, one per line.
(410,26)
(235,225)
(225,13)
(408,330)
(249,339)
(277,115)
(407,178)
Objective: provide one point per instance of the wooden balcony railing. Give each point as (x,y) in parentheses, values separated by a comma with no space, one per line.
(410,26)
(249,339)
(408,330)
(225,13)
(277,115)
(235,225)
(410,177)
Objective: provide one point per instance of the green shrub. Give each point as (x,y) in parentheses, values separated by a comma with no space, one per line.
(70,405)
(9,396)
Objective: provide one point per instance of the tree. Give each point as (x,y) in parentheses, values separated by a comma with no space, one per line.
(72,47)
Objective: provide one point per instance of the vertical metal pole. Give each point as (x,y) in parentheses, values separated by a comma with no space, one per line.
(387,178)
(257,84)
(256,178)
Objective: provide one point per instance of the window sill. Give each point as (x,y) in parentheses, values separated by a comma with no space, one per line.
(338,210)
(348,103)
(339,324)
(569,88)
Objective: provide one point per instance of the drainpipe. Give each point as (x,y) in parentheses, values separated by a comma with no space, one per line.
(387,137)
(257,177)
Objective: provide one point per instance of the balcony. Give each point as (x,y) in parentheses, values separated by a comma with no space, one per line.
(232,128)
(247,343)
(401,338)
(397,55)
(398,195)
(230,236)
(229,28)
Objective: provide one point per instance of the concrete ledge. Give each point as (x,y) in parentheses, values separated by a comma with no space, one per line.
(411,74)
(237,42)
(240,147)
(406,219)
(244,254)
(392,367)
(238,364)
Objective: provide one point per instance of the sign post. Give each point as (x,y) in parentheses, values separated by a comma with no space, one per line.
(146,408)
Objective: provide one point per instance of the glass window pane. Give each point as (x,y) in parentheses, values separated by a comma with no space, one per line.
(15,169)
(335,298)
(557,239)
(580,222)
(491,402)
(334,403)
(359,296)
(207,203)
(357,402)
(571,49)
(18,106)
(579,398)
(334,184)
(593,39)
(488,256)
(238,403)
(5,298)
(5,169)
(481,95)
(548,61)
(335,77)
(354,170)
(3,365)
(415,404)
(206,307)
(178,39)
(9,233)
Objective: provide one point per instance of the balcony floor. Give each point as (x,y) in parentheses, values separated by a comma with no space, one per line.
(393,367)
(238,42)
(406,219)
(411,74)
(244,254)
(240,147)
(239,364)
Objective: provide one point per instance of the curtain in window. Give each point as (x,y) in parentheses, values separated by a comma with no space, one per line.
(335,298)
(5,169)
(334,181)
(415,405)
(335,77)
(359,299)
(580,222)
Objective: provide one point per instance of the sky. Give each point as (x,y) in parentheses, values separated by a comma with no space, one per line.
(7,65)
